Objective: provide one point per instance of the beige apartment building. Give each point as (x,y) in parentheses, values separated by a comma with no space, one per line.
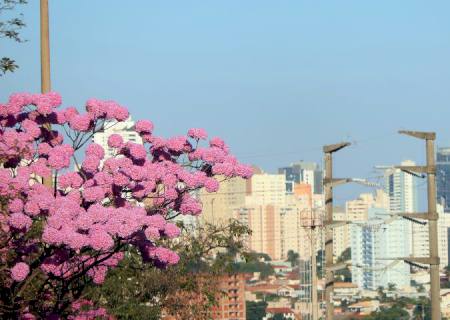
(278,229)
(218,206)
(357,209)
(341,234)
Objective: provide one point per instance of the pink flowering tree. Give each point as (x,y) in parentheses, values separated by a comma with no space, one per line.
(57,238)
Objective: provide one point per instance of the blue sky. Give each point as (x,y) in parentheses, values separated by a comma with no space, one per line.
(276,79)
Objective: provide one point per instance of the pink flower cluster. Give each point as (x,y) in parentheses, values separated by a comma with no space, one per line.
(88,220)
(20,271)
(84,309)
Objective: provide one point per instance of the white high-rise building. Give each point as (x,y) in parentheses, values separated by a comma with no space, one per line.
(443,233)
(373,241)
(401,188)
(125,129)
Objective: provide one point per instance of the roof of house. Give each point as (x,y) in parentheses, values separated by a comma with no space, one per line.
(345,285)
(279,310)
(364,304)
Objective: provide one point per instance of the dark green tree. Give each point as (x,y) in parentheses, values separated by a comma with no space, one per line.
(255,310)
(187,290)
(10,29)
(393,313)
(293,258)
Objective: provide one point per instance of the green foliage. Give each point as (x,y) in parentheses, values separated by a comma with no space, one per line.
(393,313)
(293,258)
(253,266)
(344,275)
(140,291)
(10,29)
(256,310)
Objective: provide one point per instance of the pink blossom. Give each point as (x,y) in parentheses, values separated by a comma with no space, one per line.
(94,149)
(15,205)
(40,168)
(217,142)
(137,151)
(70,112)
(59,156)
(80,123)
(32,208)
(101,241)
(176,144)
(70,180)
(95,108)
(152,233)
(93,194)
(211,185)
(20,271)
(156,221)
(171,230)
(144,126)
(31,128)
(20,221)
(190,206)
(91,163)
(197,133)
(44,148)
(115,141)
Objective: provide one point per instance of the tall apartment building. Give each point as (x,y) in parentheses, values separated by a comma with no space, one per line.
(341,234)
(443,177)
(303,172)
(401,188)
(357,209)
(264,188)
(218,207)
(372,241)
(443,236)
(231,304)
(277,229)
(125,129)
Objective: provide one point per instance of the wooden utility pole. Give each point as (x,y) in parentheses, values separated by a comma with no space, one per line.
(45,48)
(329,223)
(45,63)
(314,298)
(431,216)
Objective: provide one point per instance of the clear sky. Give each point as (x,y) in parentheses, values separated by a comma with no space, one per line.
(275,79)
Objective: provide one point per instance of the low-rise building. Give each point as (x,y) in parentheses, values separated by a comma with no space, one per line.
(287,313)
(345,291)
(364,308)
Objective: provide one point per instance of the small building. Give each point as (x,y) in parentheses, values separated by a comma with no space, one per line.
(364,308)
(287,313)
(345,291)
(445,303)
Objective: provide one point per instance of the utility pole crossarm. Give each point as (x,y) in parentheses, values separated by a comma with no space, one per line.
(336,181)
(419,134)
(420,260)
(338,266)
(335,147)
(420,169)
(336,223)
(420,215)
